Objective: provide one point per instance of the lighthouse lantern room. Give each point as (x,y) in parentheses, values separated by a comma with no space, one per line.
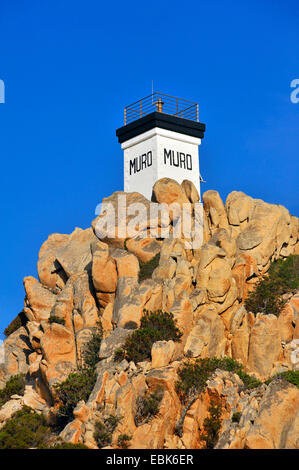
(160,139)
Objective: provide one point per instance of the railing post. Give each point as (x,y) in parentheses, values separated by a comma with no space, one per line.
(125,116)
(197,117)
(140,108)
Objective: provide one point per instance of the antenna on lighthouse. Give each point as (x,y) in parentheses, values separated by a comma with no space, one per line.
(152,91)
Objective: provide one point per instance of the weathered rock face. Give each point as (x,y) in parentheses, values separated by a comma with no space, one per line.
(62,255)
(277,420)
(59,353)
(288,320)
(162,353)
(84,280)
(268,418)
(260,410)
(207,338)
(168,191)
(215,212)
(8,409)
(265,240)
(190,191)
(264,345)
(30,398)
(127,264)
(50,273)
(132,298)
(144,248)
(240,331)
(114,232)
(104,272)
(114,341)
(75,257)
(17,348)
(239,208)
(39,300)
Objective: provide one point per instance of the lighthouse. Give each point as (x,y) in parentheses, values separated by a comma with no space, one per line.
(160,139)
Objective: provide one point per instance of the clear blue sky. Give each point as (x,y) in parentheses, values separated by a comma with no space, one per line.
(69,68)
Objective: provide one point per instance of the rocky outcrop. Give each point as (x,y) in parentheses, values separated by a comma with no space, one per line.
(267,418)
(113,232)
(30,398)
(113,342)
(277,420)
(93,276)
(215,211)
(132,298)
(59,353)
(267,415)
(264,346)
(38,301)
(17,348)
(207,338)
(162,353)
(168,191)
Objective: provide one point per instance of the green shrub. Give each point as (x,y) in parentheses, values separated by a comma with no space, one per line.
(102,437)
(162,322)
(17,322)
(14,386)
(290,376)
(123,441)
(236,417)
(104,430)
(212,425)
(76,387)
(26,429)
(248,380)
(137,347)
(287,272)
(154,326)
(148,406)
(55,319)
(282,278)
(111,422)
(68,445)
(146,269)
(91,348)
(193,376)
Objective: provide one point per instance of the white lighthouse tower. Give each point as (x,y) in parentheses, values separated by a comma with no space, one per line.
(160,139)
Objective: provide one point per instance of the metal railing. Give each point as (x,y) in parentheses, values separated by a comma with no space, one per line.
(164,104)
